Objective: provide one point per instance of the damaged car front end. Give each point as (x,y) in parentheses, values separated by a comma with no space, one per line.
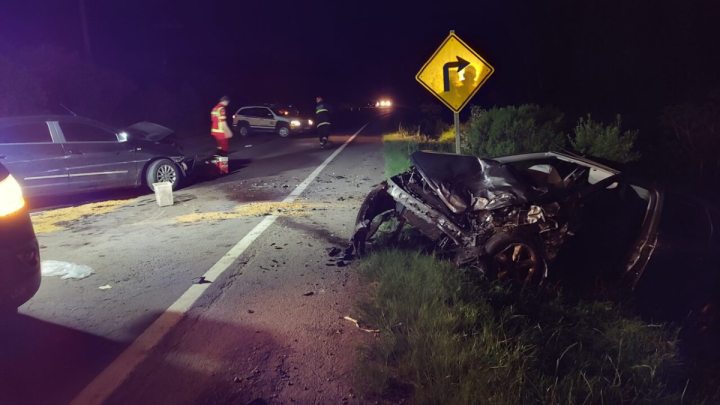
(553,216)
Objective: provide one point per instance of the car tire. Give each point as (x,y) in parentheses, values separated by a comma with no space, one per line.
(376,204)
(283,131)
(244,129)
(515,258)
(163,170)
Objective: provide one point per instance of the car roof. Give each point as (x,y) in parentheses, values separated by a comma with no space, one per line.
(42,118)
(565,155)
(254,106)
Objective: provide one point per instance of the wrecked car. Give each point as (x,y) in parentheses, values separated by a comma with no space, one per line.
(52,155)
(540,217)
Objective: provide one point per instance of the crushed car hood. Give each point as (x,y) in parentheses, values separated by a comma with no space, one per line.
(149,131)
(489,183)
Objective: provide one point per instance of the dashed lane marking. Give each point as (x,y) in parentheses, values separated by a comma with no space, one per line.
(113,376)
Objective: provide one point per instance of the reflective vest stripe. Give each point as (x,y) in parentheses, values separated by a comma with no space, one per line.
(320,110)
(323,123)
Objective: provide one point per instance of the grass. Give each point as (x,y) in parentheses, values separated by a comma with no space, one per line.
(398,146)
(449,337)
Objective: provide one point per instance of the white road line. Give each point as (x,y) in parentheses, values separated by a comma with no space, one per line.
(114,375)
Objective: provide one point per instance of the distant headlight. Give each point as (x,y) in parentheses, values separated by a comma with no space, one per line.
(295,123)
(12,197)
(310,122)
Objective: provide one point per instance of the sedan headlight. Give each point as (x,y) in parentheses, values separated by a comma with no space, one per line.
(310,122)
(295,123)
(11,196)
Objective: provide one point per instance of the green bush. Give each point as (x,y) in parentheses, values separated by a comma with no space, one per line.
(604,141)
(513,129)
(448,339)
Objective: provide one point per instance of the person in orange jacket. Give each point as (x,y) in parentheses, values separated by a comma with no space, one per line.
(219,129)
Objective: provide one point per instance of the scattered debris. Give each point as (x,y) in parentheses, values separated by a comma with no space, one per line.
(309,293)
(333,251)
(357,323)
(237,379)
(200,280)
(250,311)
(340,263)
(248,146)
(105,287)
(51,268)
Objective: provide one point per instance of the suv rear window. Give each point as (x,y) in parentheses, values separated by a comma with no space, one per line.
(81,132)
(29,132)
(248,112)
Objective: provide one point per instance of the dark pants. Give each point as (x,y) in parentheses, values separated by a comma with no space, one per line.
(323,133)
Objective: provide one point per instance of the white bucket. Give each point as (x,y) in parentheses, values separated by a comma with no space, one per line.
(163,193)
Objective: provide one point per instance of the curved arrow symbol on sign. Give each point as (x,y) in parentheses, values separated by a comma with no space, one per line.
(460,64)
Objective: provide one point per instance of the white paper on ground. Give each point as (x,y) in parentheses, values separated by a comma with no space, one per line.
(50,268)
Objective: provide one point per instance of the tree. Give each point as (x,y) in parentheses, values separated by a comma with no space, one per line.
(605,141)
(513,129)
(697,129)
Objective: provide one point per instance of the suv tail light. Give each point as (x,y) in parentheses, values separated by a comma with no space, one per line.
(11,196)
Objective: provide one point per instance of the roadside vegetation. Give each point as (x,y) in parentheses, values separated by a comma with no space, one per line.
(451,337)
(500,131)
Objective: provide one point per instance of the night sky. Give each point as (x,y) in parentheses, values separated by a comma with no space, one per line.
(602,56)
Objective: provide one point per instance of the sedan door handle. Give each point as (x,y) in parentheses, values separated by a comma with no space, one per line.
(73,152)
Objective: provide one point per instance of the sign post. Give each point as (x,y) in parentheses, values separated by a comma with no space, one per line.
(453,74)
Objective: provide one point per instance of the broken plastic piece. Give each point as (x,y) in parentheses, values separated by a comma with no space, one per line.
(66,270)
(357,323)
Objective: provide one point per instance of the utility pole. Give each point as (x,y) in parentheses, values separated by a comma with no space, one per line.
(456,117)
(86,33)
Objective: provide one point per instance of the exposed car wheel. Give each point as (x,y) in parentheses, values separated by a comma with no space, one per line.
(515,259)
(283,130)
(244,129)
(163,170)
(377,209)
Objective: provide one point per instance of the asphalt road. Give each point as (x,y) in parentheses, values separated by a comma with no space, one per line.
(267,329)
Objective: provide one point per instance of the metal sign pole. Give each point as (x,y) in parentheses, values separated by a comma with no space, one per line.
(457,132)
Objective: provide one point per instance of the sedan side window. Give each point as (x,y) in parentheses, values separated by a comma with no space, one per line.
(266,113)
(31,132)
(80,132)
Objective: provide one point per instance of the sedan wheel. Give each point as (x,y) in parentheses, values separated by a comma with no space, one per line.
(163,170)
(244,130)
(515,259)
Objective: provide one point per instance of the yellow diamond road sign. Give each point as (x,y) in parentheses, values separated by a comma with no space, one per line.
(454,73)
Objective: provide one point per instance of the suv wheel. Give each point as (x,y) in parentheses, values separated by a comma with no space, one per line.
(162,170)
(244,129)
(283,130)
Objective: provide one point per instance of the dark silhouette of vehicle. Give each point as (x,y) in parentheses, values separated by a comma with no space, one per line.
(556,217)
(19,251)
(52,155)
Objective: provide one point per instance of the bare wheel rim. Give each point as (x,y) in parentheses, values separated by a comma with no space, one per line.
(284,131)
(166,173)
(517,262)
(243,131)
